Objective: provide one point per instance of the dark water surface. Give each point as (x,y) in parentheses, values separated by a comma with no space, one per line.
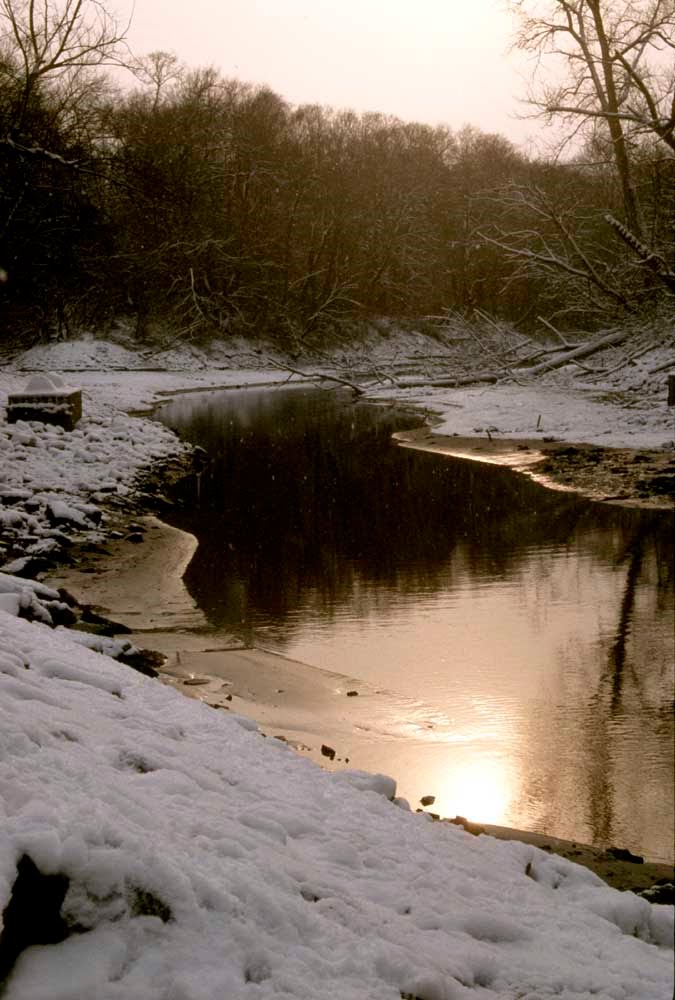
(529,633)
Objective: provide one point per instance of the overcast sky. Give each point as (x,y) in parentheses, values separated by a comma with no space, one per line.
(425,60)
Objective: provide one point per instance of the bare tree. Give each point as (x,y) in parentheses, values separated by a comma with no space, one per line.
(52,41)
(545,232)
(617,71)
(158,70)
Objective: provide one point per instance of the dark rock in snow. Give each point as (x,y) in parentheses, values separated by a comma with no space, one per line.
(146,904)
(33,913)
(327,751)
(144,661)
(61,514)
(661,892)
(61,614)
(427,800)
(12,496)
(27,566)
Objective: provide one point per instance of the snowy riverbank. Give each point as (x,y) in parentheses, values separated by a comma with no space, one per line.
(198,860)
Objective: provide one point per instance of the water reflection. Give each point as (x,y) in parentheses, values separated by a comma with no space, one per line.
(532,630)
(485,787)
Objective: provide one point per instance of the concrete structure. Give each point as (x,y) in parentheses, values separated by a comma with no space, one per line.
(47,399)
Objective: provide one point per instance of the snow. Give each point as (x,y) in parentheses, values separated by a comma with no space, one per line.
(46,385)
(205,861)
(516,412)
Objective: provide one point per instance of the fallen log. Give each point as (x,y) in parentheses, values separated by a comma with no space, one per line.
(490,377)
(451,383)
(609,340)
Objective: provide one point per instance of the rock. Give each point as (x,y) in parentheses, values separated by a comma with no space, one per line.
(62,514)
(352,694)
(33,913)
(662,484)
(61,613)
(327,751)
(12,496)
(661,892)
(427,800)
(92,628)
(105,625)
(67,598)
(91,512)
(144,661)
(145,903)
(194,681)
(27,566)
(621,854)
(475,828)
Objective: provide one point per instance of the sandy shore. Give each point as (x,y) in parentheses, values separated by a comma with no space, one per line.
(318,714)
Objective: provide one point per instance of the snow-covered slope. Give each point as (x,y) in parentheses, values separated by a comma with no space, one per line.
(205,862)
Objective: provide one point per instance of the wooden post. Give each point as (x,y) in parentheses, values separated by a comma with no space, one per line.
(671,390)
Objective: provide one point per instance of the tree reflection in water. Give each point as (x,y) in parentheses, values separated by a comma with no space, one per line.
(307,513)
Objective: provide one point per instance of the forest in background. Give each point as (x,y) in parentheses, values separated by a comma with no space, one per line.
(208,207)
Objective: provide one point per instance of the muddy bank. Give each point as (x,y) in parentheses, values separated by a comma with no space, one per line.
(137,580)
(637,478)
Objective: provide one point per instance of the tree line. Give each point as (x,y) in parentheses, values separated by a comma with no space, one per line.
(205,206)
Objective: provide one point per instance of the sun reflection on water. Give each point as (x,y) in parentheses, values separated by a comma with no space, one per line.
(481,789)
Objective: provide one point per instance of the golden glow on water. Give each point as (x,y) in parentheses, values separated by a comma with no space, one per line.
(482,789)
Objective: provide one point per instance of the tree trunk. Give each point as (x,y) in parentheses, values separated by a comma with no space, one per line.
(609,103)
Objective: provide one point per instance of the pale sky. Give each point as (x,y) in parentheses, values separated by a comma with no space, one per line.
(434,61)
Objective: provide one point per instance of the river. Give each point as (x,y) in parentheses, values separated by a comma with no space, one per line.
(522,636)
